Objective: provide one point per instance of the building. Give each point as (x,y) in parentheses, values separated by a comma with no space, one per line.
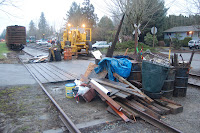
(183,31)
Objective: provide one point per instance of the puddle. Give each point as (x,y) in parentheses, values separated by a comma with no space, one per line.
(58,90)
(5,54)
(44,117)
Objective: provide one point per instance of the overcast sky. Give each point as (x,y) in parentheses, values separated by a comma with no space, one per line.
(55,11)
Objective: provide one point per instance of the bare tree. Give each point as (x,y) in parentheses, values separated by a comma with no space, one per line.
(138,12)
(9,3)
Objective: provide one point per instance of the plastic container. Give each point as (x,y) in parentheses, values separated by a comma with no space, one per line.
(153,76)
(68,89)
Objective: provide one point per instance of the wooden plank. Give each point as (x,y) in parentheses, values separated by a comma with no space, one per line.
(49,79)
(155,109)
(165,111)
(68,76)
(121,79)
(40,77)
(121,95)
(113,82)
(169,101)
(147,110)
(54,71)
(55,77)
(90,68)
(174,109)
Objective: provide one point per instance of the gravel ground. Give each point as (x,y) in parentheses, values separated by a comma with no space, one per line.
(26,109)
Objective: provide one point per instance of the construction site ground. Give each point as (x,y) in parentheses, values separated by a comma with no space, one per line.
(25,107)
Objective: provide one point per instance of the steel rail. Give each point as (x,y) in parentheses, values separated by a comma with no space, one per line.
(66,120)
(195,77)
(156,122)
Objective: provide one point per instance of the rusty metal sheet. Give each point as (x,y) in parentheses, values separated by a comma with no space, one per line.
(126,119)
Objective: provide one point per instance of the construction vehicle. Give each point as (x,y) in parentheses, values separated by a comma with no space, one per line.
(78,38)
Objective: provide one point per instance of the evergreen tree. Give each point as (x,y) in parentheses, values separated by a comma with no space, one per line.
(3,34)
(105,29)
(89,17)
(74,15)
(42,26)
(32,29)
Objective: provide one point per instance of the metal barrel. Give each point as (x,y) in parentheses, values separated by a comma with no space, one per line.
(168,86)
(136,73)
(181,81)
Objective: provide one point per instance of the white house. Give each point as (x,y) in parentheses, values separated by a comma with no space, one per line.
(183,31)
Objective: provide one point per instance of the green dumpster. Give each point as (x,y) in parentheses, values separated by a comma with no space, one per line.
(153,76)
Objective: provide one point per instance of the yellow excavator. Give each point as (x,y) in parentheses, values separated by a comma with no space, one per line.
(78,38)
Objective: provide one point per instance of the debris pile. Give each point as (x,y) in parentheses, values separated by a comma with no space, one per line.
(126,100)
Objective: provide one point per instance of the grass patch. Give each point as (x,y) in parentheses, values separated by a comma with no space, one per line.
(3,49)
(8,102)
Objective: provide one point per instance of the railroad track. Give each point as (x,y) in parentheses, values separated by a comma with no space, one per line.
(194,80)
(39,47)
(64,118)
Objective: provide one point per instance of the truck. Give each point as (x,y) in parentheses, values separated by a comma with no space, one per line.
(78,38)
(194,44)
(15,37)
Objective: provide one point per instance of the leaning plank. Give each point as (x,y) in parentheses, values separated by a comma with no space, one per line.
(90,68)
(114,82)
(121,79)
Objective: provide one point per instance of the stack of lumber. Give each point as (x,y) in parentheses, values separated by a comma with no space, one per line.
(126,100)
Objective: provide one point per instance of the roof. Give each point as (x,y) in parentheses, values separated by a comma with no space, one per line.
(184,28)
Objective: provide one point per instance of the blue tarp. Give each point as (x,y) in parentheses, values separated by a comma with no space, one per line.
(120,66)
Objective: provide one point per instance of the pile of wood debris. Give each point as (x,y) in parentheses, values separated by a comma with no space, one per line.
(128,101)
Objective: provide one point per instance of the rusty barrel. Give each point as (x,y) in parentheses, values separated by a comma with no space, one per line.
(136,73)
(181,81)
(168,86)
(67,53)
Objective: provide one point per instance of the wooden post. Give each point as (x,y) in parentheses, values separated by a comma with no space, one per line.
(111,49)
(136,39)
